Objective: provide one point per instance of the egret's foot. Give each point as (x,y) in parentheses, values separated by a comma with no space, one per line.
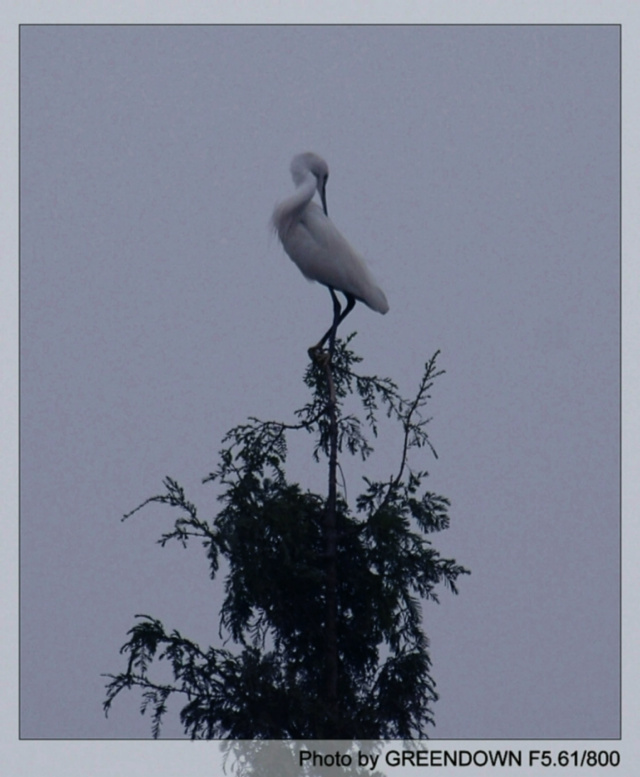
(318,355)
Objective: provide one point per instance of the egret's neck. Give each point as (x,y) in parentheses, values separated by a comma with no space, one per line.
(290,210)
(304,193)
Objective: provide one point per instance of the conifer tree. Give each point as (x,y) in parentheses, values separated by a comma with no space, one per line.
(323,599)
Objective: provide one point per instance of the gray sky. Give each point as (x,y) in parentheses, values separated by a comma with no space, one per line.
(476,168)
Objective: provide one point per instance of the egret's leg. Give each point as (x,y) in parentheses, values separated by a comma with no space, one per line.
(337,308)
(351,303)
(339,316)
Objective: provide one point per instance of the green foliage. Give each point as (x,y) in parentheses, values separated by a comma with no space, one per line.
(270,532)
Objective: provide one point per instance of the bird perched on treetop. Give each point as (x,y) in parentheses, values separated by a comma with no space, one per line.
(312,241)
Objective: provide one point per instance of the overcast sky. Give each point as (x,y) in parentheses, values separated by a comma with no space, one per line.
(477,170)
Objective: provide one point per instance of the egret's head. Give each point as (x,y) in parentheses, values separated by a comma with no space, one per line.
(306,163)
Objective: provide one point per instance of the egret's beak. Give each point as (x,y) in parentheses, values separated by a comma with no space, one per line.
(323,196)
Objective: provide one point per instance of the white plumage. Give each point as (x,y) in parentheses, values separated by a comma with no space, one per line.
(315,245)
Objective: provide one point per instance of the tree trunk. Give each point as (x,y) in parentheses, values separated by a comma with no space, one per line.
(331,571)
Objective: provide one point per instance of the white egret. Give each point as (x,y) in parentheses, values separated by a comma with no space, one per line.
(317,247)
